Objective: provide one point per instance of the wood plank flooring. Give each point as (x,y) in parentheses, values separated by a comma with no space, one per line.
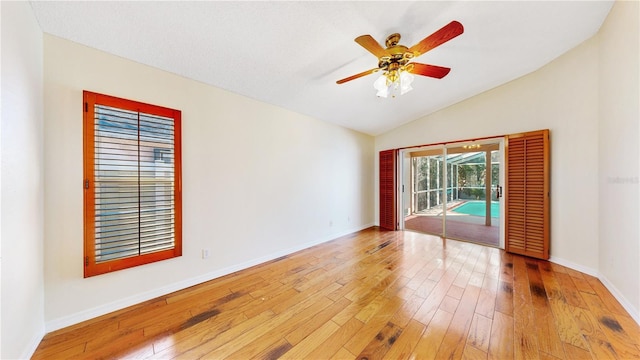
(370,295)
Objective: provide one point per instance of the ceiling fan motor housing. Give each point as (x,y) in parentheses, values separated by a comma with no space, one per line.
(398,54)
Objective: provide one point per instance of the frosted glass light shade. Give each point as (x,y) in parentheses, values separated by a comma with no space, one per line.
(405,82)
(402,84)
(381,85)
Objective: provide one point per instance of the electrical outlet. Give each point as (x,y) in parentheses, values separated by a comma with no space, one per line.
(205,253)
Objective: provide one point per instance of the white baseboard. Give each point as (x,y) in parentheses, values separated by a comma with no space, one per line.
(31,347)
(574,266)
(88,314)
(626,304)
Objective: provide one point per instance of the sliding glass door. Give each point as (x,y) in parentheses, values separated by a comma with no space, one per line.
(455,192)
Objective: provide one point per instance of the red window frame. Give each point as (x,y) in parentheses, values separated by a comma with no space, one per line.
(91,267)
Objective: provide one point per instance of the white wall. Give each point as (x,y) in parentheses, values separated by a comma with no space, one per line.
(563,97)
(619,158)
(258,181)
(22,206)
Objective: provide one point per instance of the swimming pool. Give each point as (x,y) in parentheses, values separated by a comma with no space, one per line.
(478,208)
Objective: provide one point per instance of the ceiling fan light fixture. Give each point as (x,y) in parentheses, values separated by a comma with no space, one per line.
(393,81)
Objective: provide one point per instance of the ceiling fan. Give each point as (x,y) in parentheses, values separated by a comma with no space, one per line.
(395,60)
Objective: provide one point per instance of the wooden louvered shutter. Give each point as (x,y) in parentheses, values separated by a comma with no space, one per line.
(388,214)
(132,177)
(527,194)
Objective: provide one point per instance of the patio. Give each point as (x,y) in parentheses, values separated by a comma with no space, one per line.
(468,228)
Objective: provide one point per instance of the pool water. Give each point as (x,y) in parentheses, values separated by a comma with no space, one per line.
(477,208)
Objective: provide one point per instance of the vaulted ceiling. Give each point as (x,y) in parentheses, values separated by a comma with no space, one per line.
(290,54)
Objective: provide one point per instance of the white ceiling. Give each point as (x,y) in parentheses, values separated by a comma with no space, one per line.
(290,54)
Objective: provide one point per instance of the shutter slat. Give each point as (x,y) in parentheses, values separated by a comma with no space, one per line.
(110,225)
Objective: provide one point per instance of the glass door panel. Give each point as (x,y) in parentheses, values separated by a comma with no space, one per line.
(472,211)
(427,182)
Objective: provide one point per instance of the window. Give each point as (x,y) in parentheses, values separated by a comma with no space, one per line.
(132,184)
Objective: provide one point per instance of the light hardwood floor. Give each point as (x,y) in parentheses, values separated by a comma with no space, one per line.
(373,294)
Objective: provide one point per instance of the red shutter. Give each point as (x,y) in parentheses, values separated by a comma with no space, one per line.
(388,213)
(527,194)
(132,183)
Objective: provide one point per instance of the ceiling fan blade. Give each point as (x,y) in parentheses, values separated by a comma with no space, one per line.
(433,71)
(352,77)
(369,43)
(438,38)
